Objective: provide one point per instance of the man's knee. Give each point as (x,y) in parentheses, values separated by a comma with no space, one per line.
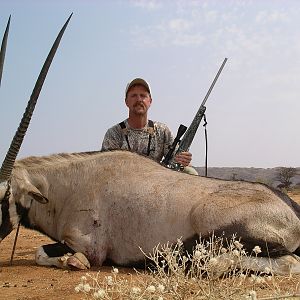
(190,170)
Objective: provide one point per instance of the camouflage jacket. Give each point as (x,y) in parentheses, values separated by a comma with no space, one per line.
(138,139)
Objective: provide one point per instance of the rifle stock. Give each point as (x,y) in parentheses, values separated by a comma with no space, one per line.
(166,160)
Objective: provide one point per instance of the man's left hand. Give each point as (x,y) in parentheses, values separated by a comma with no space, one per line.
(183,158)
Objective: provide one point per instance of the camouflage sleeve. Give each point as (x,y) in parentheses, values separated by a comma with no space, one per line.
(113,139)
(165,132)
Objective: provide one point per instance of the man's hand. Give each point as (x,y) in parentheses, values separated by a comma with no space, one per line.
(183,158)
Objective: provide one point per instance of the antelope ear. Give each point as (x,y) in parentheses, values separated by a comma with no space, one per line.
(38,197)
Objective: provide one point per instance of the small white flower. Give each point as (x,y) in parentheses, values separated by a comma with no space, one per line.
(253,278)
(136,290)
(160,298)
(256,250)
(252,295)
(151,289)
(213,261)
(83,278)
(197,254)
(115,271)
(236,252)
(260,279)
(86,287)
(223,250)
(201,248)
(179,242)
(77,289)
(109,280)
(242,276)
(238,245)
(267,270)
(161,288)
(100,294)
(80,286)
(269,278)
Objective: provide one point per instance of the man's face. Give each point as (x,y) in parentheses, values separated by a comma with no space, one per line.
(138,100)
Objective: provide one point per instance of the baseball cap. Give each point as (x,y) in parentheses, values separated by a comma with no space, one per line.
(138,81)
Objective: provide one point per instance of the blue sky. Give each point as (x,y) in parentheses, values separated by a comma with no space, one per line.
(178,46)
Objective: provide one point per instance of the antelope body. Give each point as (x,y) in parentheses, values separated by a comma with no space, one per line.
(108,205)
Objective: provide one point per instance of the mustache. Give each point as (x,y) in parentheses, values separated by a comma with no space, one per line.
(139,104)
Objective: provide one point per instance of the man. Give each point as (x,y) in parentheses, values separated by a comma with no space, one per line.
(139,134)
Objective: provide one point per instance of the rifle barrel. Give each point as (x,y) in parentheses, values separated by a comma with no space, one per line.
(214,81)
(191,131)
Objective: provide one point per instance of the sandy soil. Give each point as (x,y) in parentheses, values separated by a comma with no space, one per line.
(24,280)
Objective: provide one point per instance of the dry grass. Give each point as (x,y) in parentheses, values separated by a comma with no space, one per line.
(205,274)
(295,195)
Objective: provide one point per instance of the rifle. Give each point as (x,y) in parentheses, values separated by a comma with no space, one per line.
(189,135)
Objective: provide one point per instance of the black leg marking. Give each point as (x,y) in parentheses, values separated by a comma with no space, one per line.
(141,264)
(268,248)
(297,252)
(57,249)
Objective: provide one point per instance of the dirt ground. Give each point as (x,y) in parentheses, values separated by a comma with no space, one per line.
(25,280)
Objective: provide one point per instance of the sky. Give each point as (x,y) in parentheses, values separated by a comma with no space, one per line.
(178,47)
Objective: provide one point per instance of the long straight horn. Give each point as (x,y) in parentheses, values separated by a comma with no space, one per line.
(14,148)
(3,48)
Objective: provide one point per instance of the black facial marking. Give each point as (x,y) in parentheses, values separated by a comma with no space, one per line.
(23,214)
(6,225)
(24,219)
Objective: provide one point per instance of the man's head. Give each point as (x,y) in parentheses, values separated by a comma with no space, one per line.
(138,81)
(138,96)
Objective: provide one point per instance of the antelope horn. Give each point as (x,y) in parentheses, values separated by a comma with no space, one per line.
(8,163)
(3,48)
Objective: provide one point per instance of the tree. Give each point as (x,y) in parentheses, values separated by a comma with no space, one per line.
(234,176)
(285,175)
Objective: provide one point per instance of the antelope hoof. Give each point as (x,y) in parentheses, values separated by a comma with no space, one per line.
(78,261)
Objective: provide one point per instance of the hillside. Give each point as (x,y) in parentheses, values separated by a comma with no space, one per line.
(267,176)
